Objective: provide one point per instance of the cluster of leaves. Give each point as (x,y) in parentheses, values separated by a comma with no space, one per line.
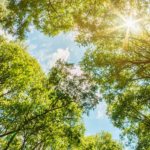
(101,141)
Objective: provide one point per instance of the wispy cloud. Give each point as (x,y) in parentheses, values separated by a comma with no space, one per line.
(48,60)
(43,54)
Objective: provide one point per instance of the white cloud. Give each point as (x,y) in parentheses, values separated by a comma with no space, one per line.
(31,28)
(101,108)
(42,55)
(32,46)
(10,37)
(63,54)
(47,60)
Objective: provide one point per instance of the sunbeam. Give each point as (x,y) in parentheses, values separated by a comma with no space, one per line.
(117,13)
(129,23)
(110,30)
(125,43)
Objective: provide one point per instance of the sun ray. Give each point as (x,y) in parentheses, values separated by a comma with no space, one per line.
(138,20)
(117,13)
(126,40)
(110,30)
(129,23)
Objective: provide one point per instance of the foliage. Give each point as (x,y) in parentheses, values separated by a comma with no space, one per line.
(35,111)
(118,58)
(3,12)
(101,141)
(76,86)
(53,16)
(48,16)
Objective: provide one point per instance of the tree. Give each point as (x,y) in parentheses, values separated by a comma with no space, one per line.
(16,65)
(53,16)
(77,87)
(48,16)
(118,58)
(101,141)
(35,110)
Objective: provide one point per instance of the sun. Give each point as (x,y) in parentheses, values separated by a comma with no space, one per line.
(130,23)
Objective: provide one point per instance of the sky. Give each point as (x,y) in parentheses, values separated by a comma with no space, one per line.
(47,50)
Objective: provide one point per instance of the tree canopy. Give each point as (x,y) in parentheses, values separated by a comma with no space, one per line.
(100,141)
(49,17)
(53,16)
(36,111)
(118,58)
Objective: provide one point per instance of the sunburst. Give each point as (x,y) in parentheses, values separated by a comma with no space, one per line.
(129,23)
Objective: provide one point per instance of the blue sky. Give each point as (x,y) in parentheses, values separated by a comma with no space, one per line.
(47,50)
